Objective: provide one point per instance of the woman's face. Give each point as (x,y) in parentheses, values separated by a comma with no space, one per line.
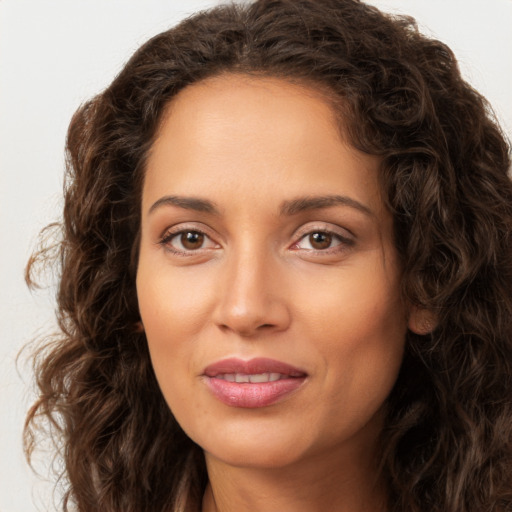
(268,282)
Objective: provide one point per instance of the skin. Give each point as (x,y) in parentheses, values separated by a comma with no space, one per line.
(257,284)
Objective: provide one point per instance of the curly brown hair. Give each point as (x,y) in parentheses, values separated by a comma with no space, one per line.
(447,443)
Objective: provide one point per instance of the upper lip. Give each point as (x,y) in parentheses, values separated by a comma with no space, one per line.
(252,367)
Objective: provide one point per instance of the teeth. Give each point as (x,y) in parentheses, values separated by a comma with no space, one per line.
(254,378)
(260,377)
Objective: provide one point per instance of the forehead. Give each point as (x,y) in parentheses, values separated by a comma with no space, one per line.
(260,111)
(280,138)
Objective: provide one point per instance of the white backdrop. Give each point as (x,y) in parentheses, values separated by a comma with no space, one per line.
(54,54)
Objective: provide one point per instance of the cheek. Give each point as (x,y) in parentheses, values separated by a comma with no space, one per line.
(170,340)
(172,302)
(174,305)
(359,326)
(354,306)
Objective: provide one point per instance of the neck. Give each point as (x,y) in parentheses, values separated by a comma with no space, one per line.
(315,485)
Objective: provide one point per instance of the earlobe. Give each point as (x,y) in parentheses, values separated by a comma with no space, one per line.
(139,327)
(421,321)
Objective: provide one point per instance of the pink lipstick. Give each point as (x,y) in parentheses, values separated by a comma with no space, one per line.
(255,383)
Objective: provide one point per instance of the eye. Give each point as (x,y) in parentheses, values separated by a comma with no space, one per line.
(322,240)
(318,241)
(187,240)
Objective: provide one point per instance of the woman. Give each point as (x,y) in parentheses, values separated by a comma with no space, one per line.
(286,274)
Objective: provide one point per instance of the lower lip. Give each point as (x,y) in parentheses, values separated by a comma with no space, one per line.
(253,395)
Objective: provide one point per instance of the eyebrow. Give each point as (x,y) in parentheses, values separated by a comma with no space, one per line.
(301,204)
(288,208)
(188,203)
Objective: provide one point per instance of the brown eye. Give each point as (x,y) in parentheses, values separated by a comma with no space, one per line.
(188,242)
(191,240)
(320,240)
(323,242)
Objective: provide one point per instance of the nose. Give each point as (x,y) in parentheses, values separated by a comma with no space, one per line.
(251,297)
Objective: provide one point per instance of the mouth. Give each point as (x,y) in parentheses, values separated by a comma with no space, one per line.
(252,378)
(252,384)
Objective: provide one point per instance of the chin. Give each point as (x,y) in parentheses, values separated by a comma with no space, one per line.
(254,448)
(256,456)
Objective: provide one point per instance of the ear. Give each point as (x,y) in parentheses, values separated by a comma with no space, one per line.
(421,321)
(138,327)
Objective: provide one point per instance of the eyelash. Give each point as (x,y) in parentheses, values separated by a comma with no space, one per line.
(344,242)
(165,241)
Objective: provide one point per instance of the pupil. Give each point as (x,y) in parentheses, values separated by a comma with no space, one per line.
(320,240)
(192,240)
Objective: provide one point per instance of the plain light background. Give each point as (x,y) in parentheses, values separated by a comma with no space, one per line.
(54,54)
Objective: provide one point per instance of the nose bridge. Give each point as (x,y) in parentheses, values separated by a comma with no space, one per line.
(250,300)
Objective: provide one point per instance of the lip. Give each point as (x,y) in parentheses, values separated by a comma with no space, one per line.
(252,394)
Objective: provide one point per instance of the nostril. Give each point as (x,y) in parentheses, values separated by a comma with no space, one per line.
(247,331)
(250,313)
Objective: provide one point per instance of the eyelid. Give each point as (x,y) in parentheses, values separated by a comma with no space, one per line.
(326,227)
(173,231)
(346,237)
